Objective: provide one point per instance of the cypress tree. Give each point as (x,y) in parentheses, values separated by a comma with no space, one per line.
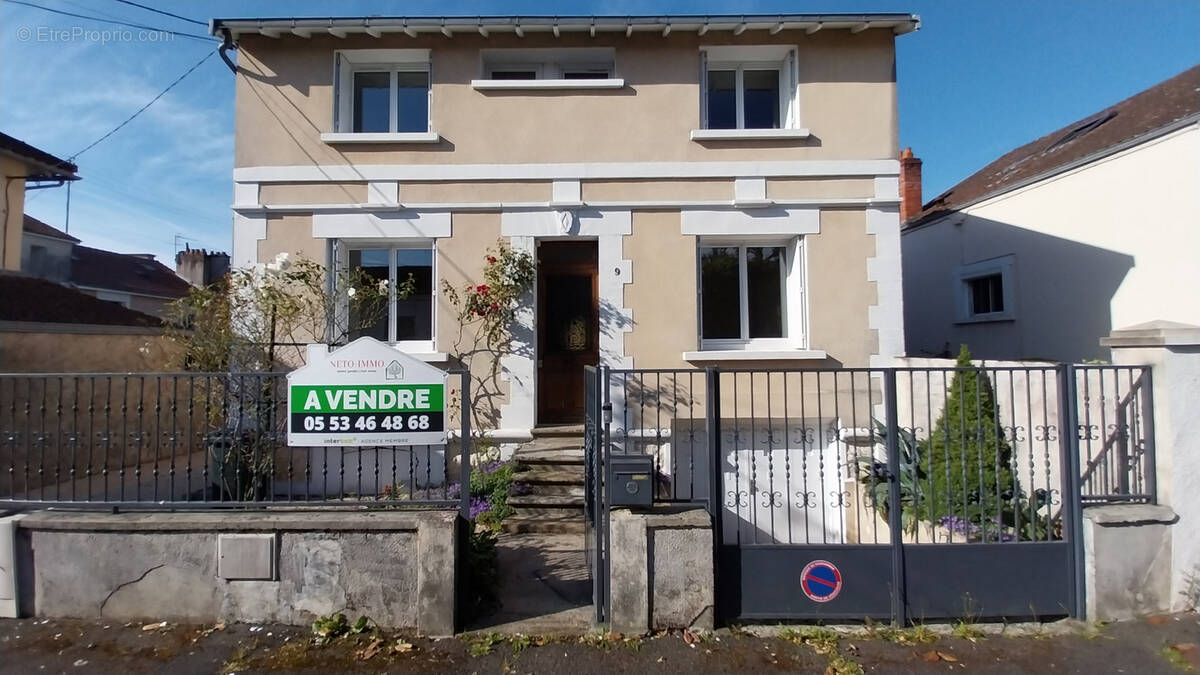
(969,460)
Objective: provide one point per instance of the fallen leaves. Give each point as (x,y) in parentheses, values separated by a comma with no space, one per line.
(934,656)
(1190,652)
(403,647)
(161,625)
(366,653)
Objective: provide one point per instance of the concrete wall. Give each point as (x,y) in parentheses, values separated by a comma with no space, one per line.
(396,568)
(1127,560)
(1102,247)
(78,348)
(1173,350)
(661,571)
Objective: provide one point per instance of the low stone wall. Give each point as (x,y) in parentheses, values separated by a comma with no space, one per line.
(1127,560)
(398,568)
(662,570)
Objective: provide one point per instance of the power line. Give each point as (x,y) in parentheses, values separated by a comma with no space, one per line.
(159,11)
(143,108)
(206,38)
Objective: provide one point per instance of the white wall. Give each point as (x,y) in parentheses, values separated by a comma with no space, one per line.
(1106,246)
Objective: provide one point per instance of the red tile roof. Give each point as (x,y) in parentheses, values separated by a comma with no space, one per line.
(35,226)
(25,298)
(128,273)
(1137,117)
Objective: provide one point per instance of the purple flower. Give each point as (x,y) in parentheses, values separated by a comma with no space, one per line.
(479,505)
(519,489)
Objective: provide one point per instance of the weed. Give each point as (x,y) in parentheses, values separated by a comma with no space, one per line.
(1176,658)
(597,639)
(840,665)
(967,630)
(921,635)
(519,643)
(332,626)
(482,645)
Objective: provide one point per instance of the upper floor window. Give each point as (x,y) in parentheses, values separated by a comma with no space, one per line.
(382,91)
(747,88)
(558,68)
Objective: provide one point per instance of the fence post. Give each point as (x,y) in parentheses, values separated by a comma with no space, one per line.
(712,429)
(464,470)
(1150,466)
(895,508)
(1072,511)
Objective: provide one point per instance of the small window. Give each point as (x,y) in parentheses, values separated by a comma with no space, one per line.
(984,290)
(408,320)
(744,293)
(589,63)
(987,294)
(757,94)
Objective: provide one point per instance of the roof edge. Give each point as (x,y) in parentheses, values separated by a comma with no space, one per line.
(1127,144)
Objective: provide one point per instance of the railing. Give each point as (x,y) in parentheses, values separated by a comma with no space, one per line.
(803,454)
(193,440)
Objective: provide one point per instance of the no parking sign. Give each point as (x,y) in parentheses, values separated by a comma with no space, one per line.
(821,581)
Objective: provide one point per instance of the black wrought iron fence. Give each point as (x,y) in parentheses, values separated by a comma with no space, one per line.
(194,440)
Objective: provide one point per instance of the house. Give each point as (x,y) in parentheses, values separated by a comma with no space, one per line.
(695,190)
(1053,245)
(24,167)
(200,267)
(132,280)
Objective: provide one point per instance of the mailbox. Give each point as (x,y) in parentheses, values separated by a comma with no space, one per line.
(631,480)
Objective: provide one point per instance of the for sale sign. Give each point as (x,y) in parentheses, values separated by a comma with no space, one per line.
(365,393)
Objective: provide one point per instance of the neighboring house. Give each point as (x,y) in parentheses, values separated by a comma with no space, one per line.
(1047,249)
(24,167)
(48,327)
(135,281)
(696,191)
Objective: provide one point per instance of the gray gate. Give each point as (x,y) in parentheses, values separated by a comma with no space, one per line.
(800,470)
(594,507)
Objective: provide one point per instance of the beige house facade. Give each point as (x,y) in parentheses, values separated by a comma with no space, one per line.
(695,190)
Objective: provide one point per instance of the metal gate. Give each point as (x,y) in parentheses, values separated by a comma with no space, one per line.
(801,468)
(594,507)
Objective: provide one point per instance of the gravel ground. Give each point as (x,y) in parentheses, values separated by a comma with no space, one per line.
(1157,645)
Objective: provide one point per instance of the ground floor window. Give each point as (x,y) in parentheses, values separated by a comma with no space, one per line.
(409,321)
(750,294)
(984,290)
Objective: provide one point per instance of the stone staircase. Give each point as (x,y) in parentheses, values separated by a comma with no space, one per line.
(554,472)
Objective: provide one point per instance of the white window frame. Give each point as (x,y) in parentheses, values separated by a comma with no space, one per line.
(347,62)
(549,64)
(963,275)
(343,262)
(739,59)
(795,305)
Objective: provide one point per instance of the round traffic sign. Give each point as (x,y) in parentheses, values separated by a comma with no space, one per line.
(821,581)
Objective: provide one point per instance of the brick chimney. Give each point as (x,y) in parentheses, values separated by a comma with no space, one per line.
(910,185)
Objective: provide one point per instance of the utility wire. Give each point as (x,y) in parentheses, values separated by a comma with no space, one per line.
(206,38)
(143,108)
(159,11)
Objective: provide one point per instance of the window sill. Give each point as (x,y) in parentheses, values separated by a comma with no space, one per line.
(987,318)
(409,137)
(429,357)
(747,134)
(756,355)
(517,85)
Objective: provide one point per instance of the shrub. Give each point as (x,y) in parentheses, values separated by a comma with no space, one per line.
(969,459)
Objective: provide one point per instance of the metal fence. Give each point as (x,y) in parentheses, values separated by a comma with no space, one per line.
(194,440)
(802,451)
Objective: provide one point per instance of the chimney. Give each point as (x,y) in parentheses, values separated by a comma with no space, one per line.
(910,185)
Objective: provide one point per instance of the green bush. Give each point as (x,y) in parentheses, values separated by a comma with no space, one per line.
(969,460)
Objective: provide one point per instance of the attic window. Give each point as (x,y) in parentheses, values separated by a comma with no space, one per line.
(1090,124)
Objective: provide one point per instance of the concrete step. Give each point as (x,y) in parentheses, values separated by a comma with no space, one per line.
(542,524)
(548,512)
(555,456)
(559,431)
(566,501)
(555,490)
(551,474)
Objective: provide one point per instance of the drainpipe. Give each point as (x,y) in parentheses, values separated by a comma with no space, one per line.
(227,43)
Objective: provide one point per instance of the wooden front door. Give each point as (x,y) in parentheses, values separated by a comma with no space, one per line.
(567,327)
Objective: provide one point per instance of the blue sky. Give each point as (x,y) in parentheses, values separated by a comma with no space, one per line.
(977,80)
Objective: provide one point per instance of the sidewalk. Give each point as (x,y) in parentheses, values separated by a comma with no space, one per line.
(1160,645)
